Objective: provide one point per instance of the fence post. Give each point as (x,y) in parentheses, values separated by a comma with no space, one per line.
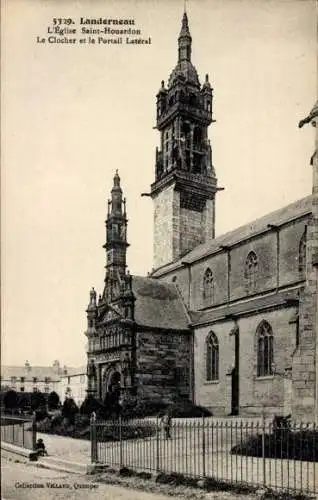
(34,432)
(23,431)
(203,445)
(157,447)
(94,457)
(120,444)
(263,446)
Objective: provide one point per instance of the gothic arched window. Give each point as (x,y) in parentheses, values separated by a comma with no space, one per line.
(265,351)
(208,285)
(250,271)
(302,255)
(212,357)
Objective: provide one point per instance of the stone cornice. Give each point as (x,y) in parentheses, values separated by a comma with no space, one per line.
(200,185)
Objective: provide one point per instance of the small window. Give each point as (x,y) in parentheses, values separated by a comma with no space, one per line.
(35,389)
(46,389)
(22,389)
(265,354)
(68,380)
(22,380)
(35,380)
(212,357)
(250,272)
(174,279)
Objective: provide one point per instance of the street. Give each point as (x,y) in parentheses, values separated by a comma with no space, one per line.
(26,481)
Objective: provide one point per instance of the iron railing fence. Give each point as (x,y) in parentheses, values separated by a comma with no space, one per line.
(259,454)
(18,431)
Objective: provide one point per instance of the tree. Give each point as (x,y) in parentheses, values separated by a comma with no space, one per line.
(11,400)
(24,401)
(53,400)
(89,405)
(37,400)
(69,410)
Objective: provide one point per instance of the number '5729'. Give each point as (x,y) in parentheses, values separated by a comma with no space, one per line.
(62,20)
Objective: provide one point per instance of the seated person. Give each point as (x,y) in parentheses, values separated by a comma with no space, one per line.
(40,448)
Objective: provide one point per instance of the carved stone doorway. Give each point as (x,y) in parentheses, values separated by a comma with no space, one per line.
(111,385)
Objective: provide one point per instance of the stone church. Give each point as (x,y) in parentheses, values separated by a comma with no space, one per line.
(226,321)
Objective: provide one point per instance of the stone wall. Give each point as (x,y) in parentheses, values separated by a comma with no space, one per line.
(191,229)
(163,365)
(213,395)
(219,267)
(265,248)
(178,228)
(271,271)
(290,236)
(305,365)
(166,222)
(196,226)
(272,391)
(305,372)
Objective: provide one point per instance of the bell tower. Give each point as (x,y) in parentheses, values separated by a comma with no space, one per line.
(185,183)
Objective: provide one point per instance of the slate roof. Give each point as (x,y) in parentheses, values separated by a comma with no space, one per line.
(40,372)
(158,304)
(248,306)
(283,215)
(71,372)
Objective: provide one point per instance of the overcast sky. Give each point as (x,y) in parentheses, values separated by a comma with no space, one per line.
(72,114)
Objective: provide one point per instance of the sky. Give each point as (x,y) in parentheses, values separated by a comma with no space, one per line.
(74,113)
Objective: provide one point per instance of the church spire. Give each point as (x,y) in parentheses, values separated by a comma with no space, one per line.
(116,238)
(184,40)
(117,196)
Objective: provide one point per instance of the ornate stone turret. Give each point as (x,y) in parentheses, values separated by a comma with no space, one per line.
(91,311)
(185,182)
(116,242)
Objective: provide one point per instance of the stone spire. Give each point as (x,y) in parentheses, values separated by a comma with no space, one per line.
(116,239)
(184,40)
(116,196)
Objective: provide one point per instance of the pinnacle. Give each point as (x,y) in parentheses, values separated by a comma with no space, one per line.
(116,179)
(185,26)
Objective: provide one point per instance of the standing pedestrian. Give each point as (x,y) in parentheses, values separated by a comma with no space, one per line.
(166,421)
